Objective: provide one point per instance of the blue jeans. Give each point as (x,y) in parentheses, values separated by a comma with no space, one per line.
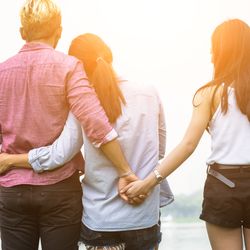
(142,239)
(52,213)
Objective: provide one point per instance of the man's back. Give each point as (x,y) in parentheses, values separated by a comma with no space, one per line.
(33,97)
(33,104)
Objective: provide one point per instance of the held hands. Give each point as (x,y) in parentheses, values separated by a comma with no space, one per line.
(123,183)
(139,189)
(136,189)
(5,163)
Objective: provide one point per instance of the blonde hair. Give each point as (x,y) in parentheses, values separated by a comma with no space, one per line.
(40,19)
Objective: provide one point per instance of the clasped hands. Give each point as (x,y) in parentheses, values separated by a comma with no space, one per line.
(133,190)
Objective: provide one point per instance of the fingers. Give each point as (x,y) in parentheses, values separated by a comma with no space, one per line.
(137,200)
(133,192)
(124,197)
(133,199)
(126,188)
(142,196)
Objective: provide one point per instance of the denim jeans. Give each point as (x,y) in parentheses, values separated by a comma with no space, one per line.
(142,239)
(51,213)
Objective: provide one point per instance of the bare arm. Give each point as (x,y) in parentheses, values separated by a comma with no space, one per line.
(85,105)
(61,151)
(198,123)
(113,152)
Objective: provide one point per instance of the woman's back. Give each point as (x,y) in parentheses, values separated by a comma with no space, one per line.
(230,135)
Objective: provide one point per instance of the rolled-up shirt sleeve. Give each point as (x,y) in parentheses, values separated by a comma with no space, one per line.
(64,148)
(85,105)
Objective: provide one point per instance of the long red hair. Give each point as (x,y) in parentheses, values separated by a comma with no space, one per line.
(231,59)
(97,59)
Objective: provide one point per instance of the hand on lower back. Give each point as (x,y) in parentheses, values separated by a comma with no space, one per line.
(5,162)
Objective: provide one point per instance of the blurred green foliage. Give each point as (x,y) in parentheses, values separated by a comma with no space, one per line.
(185,208)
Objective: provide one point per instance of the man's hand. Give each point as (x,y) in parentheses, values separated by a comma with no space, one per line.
(5,162)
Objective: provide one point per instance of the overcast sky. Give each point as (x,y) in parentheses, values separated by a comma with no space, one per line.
(160,42)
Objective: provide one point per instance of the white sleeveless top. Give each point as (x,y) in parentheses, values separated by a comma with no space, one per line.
(230,135)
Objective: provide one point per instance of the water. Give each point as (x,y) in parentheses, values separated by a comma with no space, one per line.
(181,236)
(184,236)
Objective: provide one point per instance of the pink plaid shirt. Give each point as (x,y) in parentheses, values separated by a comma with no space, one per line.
(38,87)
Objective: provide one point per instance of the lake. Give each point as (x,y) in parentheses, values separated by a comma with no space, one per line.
(182,236)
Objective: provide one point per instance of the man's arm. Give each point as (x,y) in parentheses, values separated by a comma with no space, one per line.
(85,105)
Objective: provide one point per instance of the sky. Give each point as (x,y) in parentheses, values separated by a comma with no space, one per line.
(160,42)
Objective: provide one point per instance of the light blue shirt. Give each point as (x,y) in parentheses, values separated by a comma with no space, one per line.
(142,135)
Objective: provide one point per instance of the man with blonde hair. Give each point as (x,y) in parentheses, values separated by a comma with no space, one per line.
(38,87)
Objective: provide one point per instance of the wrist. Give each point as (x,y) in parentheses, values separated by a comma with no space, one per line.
(158,176)
(20,160)
(125,174)
(9,160)
(151,181)
(124,170)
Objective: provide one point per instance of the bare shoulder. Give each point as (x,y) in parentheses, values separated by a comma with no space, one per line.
(207,95)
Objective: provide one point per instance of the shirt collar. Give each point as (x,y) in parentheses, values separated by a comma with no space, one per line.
(35,46)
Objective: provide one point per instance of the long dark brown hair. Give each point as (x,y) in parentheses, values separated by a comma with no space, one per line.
(97,59)
(231,60)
